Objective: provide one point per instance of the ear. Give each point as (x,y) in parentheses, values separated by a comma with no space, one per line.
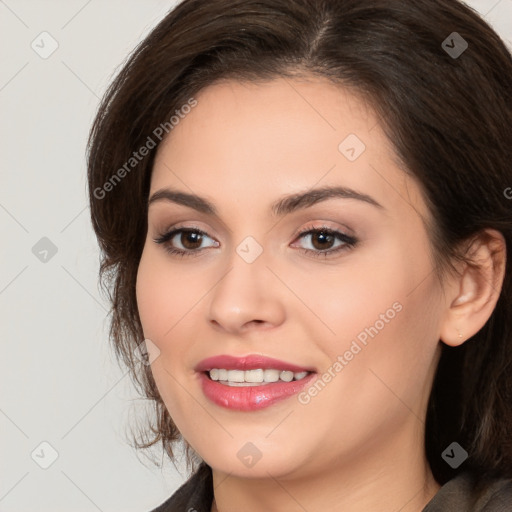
(472,295)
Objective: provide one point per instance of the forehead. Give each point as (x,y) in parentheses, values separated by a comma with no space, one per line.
(286,115)
(243,140)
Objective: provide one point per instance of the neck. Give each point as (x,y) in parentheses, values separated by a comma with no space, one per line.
(359,484)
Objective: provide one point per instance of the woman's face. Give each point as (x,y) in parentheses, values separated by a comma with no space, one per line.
(361,307)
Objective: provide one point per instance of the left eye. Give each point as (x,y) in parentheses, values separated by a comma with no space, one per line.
(322,241)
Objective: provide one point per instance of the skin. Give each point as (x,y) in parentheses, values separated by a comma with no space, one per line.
(358,444)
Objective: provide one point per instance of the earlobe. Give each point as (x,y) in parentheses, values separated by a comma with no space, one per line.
(475,292)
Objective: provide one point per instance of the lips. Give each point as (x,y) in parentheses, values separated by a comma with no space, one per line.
(250,362)
(252,398)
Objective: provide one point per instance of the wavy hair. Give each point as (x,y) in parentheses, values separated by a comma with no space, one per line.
(448,118)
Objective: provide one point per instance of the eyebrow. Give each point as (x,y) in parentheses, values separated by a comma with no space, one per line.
(283,206)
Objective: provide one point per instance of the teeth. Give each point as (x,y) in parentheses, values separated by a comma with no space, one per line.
(249,377)
(235,376)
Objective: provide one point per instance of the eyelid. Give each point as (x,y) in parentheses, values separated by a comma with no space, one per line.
(317,225)
(170,233)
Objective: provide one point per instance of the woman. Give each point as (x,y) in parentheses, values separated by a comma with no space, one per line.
(305,219)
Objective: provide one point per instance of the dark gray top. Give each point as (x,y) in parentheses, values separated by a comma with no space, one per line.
(463,493)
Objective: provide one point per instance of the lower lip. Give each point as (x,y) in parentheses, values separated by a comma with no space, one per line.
(251,398)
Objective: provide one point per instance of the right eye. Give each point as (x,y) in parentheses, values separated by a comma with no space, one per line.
(188,240)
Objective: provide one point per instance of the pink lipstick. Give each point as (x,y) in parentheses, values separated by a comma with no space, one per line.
(252,382)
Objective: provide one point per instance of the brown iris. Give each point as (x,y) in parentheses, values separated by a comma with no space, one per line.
(324,238)
(190,239)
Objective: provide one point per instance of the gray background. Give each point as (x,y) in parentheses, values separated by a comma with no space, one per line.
(59,381)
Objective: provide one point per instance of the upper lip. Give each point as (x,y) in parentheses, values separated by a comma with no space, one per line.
(250,362)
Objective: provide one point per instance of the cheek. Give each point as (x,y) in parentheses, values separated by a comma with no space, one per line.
(383,313)
(352,296)
(148,293)
(164,295)
(169,302)
(163,299)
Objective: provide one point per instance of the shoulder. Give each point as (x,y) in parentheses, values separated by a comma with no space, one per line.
(464,493)
(195,495)
(469,493)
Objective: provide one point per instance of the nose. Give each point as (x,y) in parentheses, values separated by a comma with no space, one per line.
(248,296)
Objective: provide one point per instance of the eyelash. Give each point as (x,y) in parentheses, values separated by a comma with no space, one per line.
(349,242)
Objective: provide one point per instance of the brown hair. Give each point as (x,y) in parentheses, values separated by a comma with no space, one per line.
(449,118)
